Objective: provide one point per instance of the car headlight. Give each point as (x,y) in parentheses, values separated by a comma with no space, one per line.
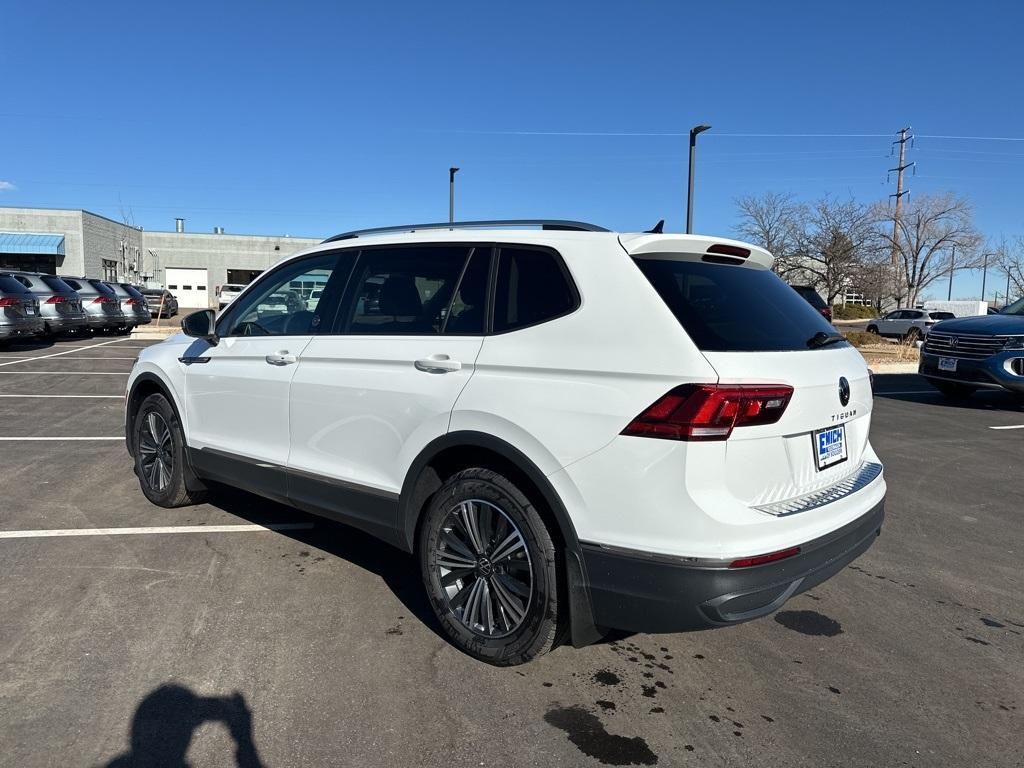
(1014,342)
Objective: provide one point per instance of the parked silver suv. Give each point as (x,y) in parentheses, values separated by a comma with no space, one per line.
(19,310)
(133,305)
(102,308)
(908,324)
(59,305)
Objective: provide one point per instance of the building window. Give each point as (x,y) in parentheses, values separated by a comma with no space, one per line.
(110,270)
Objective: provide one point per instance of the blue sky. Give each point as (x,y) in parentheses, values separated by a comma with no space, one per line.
(310,118)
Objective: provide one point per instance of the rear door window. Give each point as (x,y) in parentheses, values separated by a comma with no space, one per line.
(532,287)
(728,308)
(403,290)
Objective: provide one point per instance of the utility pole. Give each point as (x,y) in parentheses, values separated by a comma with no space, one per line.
(901,166)
(952,262)
(984,276)
(451,194)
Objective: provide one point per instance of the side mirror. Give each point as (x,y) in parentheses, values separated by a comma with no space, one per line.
(201,325)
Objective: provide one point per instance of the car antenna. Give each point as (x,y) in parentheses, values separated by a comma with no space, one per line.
(657,229)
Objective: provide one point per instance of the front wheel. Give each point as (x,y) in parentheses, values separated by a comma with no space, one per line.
(490,568)
(160,455)
(873,329)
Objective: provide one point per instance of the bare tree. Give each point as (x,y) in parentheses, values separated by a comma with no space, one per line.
(1011,263)
(823,244)
(772,220)
(834,243)
(928,230)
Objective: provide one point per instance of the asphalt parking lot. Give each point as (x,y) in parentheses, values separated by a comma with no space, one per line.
(313,645)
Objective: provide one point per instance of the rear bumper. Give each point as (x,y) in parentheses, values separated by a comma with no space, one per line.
(638,593)
(58,323)
(994,371)
(19,328)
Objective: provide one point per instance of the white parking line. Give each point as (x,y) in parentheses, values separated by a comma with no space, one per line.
(112,397)
(46,533)
(65,352)
(1011,426)
(65,373)
(54,439)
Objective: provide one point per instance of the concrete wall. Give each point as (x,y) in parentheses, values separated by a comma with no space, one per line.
(41,221)
(104,239)
(216,253)
(142,256)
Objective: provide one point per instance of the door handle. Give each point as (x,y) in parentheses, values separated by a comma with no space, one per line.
(281,358)
(438,364)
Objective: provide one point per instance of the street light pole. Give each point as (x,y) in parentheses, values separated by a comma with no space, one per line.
(697,129)
(451,194)
(984,275)
(952,261)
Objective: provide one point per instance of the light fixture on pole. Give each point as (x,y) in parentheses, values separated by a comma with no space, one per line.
(697,129)
(451,194)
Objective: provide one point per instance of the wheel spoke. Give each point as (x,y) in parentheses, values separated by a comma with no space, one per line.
(488,607)
(453,542)
(513,585)
(511,605)
(472,610)
(164,476)
(452,561)
(461,596)
(151,425)
(509,547)
(470,521)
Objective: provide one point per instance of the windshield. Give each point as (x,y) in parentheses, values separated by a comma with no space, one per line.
(1017,308)
(737,308)
(941,315)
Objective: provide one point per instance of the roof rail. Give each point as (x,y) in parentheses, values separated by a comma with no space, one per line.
(551,224)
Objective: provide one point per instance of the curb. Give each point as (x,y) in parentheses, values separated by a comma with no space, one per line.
(880,369)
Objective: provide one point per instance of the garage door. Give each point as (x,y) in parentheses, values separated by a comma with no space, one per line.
(188,286)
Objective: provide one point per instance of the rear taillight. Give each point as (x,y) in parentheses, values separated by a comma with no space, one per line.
(133,303)
(711,411)
(57,300)
(826,312)
(7,301)
(102,300)
(771,557)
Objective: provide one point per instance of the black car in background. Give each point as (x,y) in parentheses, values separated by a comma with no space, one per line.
(811,297)
(970,353)
(154,297)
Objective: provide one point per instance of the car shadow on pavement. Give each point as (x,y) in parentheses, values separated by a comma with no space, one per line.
(166,720)
(399,570)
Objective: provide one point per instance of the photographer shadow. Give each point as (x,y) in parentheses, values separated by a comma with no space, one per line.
(168,717)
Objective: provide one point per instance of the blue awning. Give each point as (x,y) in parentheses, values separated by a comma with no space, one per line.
(22,242)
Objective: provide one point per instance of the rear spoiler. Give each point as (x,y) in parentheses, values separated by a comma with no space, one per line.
(714,249)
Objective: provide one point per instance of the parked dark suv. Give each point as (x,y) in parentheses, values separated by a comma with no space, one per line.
(970,353)
(812,297)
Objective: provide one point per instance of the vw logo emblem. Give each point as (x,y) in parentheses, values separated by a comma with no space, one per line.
(953,341)
(844,390)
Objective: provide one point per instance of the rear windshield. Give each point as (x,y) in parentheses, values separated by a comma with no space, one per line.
(941,315)
(56,284)
(810,296)
(76,285)
(102,287)
(733,308)
(133,292)
(231,287)
(9,285)
(152,291)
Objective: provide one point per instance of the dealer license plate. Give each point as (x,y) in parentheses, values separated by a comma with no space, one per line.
(947,364)
(830,446)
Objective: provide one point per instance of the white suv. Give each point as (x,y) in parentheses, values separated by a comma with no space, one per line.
(228,293)
(573,429)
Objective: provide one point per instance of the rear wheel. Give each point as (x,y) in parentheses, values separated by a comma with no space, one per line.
(953,390)
(160,454)
(873,329)
(490,568)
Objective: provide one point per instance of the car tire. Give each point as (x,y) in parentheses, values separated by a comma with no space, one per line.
(507,608)
(953,390)
(160,461)
(873,329)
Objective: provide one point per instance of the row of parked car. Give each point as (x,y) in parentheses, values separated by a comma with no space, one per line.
(35,304)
